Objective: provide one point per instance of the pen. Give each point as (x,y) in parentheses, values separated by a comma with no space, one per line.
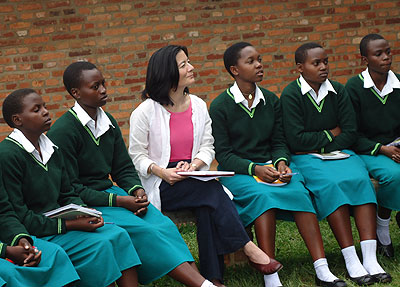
(109,223)
(292,173)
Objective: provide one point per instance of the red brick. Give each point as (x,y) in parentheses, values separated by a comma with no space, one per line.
(314,12)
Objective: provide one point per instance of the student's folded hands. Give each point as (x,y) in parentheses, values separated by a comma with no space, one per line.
(24,254)
(133,203)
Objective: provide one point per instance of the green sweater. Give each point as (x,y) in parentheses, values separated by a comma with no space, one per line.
(378,119)
(90,161)
(307,125)
(11,229)
(34,188)
(243,137)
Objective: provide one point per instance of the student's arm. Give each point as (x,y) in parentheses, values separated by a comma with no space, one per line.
(67,192)
(123,171)
(294,117)
(223,147)
(279,150)
(298,139)
(13,178)
(363,144)
(347,122)
(68,138)
(11,229)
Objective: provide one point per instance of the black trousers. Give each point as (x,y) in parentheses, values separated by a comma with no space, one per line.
(219,228)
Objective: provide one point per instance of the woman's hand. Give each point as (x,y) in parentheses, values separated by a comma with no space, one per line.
(391,152)
(137,205)
(170,175)
(283,169)
(266,173)
(183,166)
(24,254)
(85,223)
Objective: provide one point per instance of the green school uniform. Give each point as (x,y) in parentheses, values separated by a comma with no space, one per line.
(54,270)
(91,161)
(244,138)
(378,124)
(35,188)
(307,128)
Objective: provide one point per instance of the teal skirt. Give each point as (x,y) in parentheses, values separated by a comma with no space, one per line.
(336,182)
(155,237)
(54,270)
(253,199)
(387,172)
(99,256)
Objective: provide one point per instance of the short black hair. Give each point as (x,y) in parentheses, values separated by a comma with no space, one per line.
(365,41)
(13,104)
(73,74)
(300,55)
(232,55)
(163,74)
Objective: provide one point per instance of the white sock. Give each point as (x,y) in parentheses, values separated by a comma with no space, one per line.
(370,263)
(353,264)
(272,280)
(322,270)
(382,230)
(207,283)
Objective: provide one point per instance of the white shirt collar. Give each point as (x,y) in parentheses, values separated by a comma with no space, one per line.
(391,83)
(323,91)
(98,127)
(239,98)
(45,144)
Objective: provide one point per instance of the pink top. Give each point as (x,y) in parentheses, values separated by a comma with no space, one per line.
(181,135)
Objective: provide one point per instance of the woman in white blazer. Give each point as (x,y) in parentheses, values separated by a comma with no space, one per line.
(171,132)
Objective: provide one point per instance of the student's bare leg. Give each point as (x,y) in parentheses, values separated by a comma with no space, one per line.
(365,218)
(307,224)
(339,221)
(265,228)
(129,278)
(186,274)
(341,227)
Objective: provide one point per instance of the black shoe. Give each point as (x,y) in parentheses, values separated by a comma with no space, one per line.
(362,280)
(336,283)
(385,250)
(382,278)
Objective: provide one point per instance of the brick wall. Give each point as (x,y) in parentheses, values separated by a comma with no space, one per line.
(38,39)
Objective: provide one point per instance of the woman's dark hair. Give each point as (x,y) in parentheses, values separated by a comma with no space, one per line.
(365,41)
(13,104)
(163,74)
(232,55)
(300,55)
(73,74)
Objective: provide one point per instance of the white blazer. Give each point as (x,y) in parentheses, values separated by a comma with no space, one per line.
(149,141)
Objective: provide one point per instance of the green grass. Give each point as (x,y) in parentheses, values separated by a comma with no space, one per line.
(298,270)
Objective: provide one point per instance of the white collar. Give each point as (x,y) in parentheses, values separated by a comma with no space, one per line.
(98,127)
(239,98)
(392,82)
(45,144)
(323,91)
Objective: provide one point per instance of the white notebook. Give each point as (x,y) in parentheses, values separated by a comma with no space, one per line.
(72,211)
